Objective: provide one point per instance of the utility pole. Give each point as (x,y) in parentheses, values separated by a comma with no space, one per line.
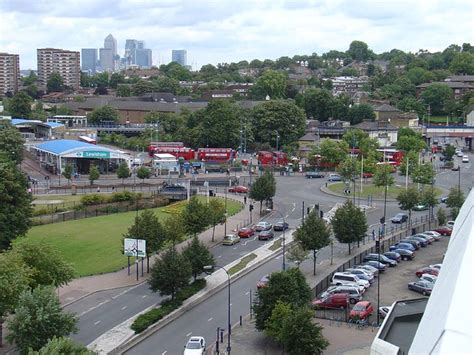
(302,214)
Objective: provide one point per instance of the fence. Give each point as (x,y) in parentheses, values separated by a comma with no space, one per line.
(394,234)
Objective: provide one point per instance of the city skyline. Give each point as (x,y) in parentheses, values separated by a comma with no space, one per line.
(215,32)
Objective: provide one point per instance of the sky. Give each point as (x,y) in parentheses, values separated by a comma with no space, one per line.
(217,31)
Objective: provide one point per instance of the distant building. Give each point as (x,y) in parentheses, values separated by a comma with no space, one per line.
(143,58)
(179,56)
(89,59)
(108,54)
(348,85)
(137,55)
(66,63)
(9,73)
(459,88)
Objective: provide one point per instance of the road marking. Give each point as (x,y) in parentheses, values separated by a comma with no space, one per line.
(210,319)
(246,293)
(255,238)
(245,243)
(97,322)
(144,296)
(286,216)
(231,304)
(219,256)
(164,352)
(124,308)
(235,248)
(189,334)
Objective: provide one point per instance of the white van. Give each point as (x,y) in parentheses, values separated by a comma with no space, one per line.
(346,278)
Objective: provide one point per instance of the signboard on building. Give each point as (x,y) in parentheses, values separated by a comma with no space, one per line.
(130,247)
(93,154)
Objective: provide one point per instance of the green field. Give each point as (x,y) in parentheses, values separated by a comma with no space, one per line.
(442,119)
(93,245)
(371,190)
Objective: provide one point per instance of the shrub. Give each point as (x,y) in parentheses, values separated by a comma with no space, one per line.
(92,199)
(125,196)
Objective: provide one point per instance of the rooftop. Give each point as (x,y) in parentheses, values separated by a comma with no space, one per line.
(451,84)
(62,146)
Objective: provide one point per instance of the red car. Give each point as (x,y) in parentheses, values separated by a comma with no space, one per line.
(239,189)
(444,230)
(336,300)
(263,282)
(427,270)
(361,310)
(367,175)
(245,232)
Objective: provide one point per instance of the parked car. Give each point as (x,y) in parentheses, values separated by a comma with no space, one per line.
(239,189)
(346,278)
(423,242)
(393,255)
(459,153)
(263,282)
(332,301)
(399,218)
(353,292)
(382,258)
(450,224)
(427,270)
(265,235)
(377,264)
(444,230)
(434,234)
(455,168)
(405,254)
(314,175)
(245,232)
(362,274)
(368,268)
(361,310)
(416,244)
(334,177)
(263,226)
(427,237)
(444,199)
(384,310)
(436,266)
(465,159)
(407,246)
(280,226)
(367,175)
(429,278)
(420,207)
(195,346)
(422,287)
(231,239)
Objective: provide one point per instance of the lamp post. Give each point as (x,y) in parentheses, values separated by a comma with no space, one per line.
(278,140)
(283,266)
(229,328)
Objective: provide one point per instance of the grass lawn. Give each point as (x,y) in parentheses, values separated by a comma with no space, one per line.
(369,189)
(243,263)
(93,245)
(442,119)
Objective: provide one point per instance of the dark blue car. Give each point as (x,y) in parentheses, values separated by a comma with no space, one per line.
(402,246)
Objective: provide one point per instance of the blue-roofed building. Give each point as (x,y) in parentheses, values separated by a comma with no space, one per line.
(54,155)
(36,129)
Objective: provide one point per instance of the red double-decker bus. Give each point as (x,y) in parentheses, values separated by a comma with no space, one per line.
(391,156)
(216,154)
(178,152)
(155,145)
(266,158)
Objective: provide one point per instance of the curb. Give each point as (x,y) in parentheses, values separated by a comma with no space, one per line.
(136,339)
(329,192)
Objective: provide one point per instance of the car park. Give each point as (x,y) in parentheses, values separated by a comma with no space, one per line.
(427,237)
(334,177)
(346,278)
(422,287)
(265,235)
(429,278)
(263,282)
(368,268)
(393,255)
(231,239)
(405,254)
(195,346)
(434,234)
(362,274)
(263,226)
(353,292)
(423,242)
(380,257)
(377,264)
(407,246)
(399,218)
(239,189)
(314,175)
(245,232)
(416,244)
(384,310)
(280,226)
(465,159)
(427,270)
(332,301)
(444,230)
(361,310)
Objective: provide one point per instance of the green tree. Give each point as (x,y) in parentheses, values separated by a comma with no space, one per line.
(349,224)
(15,203)
(419,75)
(123,171)
(297,254)
(286,286)
(437,96)
(170,273)
(198,255)
(463,63)
(274,324)
(408,104)
(318,103)
(47,265)
(313,234)
(195,216)
(63,346)
(423,174)
(331,151)
(449,152)
(282,117)
(15,278)
(174,228)
(147,226)
(361,140)
(359,50)
(67,172)
(20,105)
(441,216)
(103,114)
(358,113)
(349,169)
(411,160)
(124,90)
(116,79)
(55,83)
(455,201)
(263,188)
(407,200)
(428,198)
(11,142)
(271,83)
(41,311)
(411,143)
(94,174)
(30,79)
(216,214)
(143,173)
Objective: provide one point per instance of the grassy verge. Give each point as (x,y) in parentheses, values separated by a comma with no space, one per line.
(243,263)
(371,190)
(276,244)
(94,245)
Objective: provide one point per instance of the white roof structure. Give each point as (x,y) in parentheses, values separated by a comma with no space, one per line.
(165,156)
(446,326)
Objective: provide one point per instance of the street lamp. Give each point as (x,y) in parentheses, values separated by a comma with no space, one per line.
(210,268)
(278,139)
(284,244)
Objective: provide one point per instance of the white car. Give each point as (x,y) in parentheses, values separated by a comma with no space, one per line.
(433,234)
(384,310)
(263,226)
(346,278)
(465,159)
(459,153)
(450,224)
(429,278)
(436,266)
(195,346)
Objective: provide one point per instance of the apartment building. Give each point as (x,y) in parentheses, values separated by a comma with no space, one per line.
(9,73)
(64,62)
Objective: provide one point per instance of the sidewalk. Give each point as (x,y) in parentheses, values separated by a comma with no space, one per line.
(85,286)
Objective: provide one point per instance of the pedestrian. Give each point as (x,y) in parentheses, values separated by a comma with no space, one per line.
(113,188)
(245,199)
(98,189)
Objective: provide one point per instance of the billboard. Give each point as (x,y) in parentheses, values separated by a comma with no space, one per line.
(131,246)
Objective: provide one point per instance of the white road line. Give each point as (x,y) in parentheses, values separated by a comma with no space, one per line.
(286,216)
(210,319)
(144,296)
(245,243)
(219,256)
(124,308)
(97,322)
(246,293)
(189,334)
(164,352)
(235,248)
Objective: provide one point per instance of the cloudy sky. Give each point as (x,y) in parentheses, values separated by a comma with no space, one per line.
(215,31)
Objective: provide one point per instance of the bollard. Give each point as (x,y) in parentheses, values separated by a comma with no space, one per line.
(222,335)
(240,320)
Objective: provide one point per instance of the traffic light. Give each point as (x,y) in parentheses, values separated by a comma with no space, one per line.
(382,220)
(251,207)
